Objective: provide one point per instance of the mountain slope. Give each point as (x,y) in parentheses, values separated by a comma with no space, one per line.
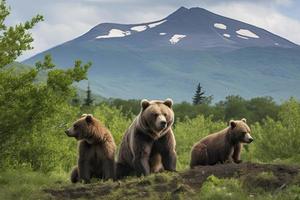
(167,58)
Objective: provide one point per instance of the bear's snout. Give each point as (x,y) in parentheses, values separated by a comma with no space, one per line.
(248,138)
(163,124)
(67,132)
(251,140)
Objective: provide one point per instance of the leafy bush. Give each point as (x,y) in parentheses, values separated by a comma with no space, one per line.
(188,132)
(279,139)
(114,120)
(45,147)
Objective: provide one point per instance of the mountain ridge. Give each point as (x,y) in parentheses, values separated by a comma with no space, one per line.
(168,57)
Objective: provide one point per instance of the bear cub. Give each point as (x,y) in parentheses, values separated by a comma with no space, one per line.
(223,146)
(148,145)
(96,150)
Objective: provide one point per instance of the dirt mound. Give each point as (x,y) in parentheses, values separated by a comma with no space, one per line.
(195,177)
(266,176)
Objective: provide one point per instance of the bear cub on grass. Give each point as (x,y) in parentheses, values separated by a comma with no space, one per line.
(96,150)
(148,145)
(223,146)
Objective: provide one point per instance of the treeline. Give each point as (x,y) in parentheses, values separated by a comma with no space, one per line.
(233,107)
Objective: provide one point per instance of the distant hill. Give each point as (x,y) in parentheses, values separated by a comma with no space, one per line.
(168,57)
(19,67)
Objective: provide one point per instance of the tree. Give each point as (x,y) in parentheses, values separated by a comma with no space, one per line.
(235,108)
(199,97)
(14,39)
(88,101)
(25,102)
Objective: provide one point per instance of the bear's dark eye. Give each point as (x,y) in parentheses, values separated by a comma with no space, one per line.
(75,126)
(155,115)
(244,133)
(165,114)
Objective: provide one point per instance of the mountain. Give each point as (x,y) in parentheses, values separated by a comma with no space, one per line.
(168,57)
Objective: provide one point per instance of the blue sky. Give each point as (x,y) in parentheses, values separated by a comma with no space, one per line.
(67,19)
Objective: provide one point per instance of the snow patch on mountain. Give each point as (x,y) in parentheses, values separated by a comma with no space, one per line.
(162,33)
(139,28)
(245,38)
(176,38)
(226,35)
(247,33)
(114,33)
(220,26)
(156,23)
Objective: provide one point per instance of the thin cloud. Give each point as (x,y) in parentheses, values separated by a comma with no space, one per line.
(273,21)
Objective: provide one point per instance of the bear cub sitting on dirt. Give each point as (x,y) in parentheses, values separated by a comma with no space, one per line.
(223,146)
(96,150)
(149,143)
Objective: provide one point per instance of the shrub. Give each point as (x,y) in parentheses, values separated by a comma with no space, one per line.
(114,120)
(188,132)
(279,139)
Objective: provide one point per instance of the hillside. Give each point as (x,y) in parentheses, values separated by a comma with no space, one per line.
(42,77)
(191,184)
(168,57)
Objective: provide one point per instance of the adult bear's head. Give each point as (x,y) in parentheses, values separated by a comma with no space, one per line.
(86,128)
(156,117)
(240,131)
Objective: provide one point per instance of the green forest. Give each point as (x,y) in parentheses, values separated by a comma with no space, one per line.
(37,155)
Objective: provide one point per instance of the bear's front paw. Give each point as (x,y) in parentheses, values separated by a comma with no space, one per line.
(229,161)
(86,181)
(238,161)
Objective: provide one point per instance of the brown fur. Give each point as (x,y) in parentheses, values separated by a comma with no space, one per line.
(223,146)
(149,143)
(96,150)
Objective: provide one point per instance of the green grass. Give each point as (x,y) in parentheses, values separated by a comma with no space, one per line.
(234,189)
(26,184)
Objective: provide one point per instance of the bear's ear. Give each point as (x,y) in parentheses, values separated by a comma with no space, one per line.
(232,123)
(145,103)
(84,115)
(168,102)
(89,118)
(244,120)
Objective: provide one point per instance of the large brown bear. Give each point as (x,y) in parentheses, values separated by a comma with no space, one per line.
(96,150)
(223,146)
(149,143)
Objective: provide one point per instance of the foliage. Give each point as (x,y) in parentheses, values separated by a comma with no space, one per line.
(46,148)
(279,139)
(33,112)
(14,39)
(199,97)
(233,107)
(190,131)
(113,119)
(27,103)
(128,107)
(88,101)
